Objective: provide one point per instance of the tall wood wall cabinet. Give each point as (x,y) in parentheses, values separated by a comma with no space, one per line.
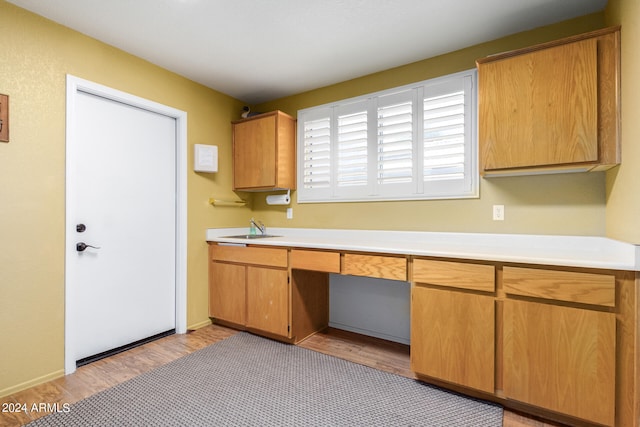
(264,148)
(551,107)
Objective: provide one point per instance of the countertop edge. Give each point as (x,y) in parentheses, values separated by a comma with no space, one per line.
(567,251)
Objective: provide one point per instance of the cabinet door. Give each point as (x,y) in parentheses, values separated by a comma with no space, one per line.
(452,336)
(254,153)
(227,295)
(540,108)
(268,300)
(561,358)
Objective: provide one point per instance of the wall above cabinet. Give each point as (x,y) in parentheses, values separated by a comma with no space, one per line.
(553,107)
(264,148)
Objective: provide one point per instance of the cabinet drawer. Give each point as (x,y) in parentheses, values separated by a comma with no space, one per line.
(384,267)
(315,260)
(476,277)
(586,288)
(249,255)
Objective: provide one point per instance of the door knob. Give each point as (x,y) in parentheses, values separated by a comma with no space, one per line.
(80,247)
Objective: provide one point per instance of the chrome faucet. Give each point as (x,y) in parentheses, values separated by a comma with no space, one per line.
(259,225)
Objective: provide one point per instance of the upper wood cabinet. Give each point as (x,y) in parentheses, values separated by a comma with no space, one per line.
(554,106)
(264,149)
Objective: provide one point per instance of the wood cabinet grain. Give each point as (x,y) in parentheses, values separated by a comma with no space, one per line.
(268,300)
(570,286)
(453,336)
(249,287)
(264,152)
(227,292)
(273,257)
(463,275)
(554,106)
(305,259)
(561,358)
(380,266)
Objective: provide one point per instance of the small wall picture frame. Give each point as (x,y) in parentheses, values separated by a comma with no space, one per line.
(4,118)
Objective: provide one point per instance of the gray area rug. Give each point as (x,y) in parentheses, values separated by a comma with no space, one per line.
(246,380)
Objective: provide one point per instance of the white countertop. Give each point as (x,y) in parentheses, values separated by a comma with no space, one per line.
(569,251)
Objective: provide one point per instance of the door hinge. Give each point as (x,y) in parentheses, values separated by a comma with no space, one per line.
(288,280)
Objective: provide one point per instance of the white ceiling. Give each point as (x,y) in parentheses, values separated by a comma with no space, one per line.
(259,50)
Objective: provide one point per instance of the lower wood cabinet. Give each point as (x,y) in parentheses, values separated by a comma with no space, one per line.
(559,330)
(249,287)
(268,300)
(561,358)
(453,322)
(557,341)
(452,336)
(227,292)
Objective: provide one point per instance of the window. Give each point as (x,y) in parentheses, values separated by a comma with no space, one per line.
(413,142)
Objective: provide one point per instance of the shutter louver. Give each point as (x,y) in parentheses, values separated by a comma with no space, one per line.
(395,143)
(352,149)
(317,153)
(444,137)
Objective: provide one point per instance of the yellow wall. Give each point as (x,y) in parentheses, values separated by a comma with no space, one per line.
(623,183)
(555,204)
(35,56)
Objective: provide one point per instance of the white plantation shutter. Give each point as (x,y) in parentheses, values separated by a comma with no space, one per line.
(414,142)
(395,150)
(444,137)
(316,152)
(352,145)
(449,141)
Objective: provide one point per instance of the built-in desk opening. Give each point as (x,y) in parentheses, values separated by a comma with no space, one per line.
(379,308)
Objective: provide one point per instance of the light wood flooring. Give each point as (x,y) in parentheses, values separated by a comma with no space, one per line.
(105,373)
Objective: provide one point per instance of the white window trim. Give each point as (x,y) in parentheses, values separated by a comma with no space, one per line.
(369,192)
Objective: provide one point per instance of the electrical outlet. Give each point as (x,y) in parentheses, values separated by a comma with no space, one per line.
(498,212)
(289,213)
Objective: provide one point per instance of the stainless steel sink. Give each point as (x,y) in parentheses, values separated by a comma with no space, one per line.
(249,236)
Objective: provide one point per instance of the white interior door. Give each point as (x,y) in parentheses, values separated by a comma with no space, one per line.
(122,186)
